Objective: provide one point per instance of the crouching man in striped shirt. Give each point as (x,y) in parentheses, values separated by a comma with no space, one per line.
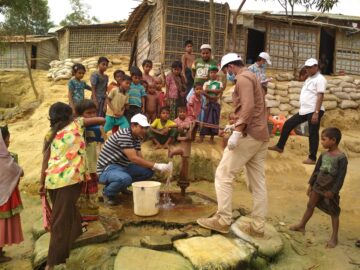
(120,161)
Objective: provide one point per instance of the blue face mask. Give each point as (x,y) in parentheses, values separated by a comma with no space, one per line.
(263,65)
(231,77)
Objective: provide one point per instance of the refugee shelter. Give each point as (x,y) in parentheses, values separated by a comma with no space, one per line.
(91,40)
(40,50)
(333,37)
(157,29)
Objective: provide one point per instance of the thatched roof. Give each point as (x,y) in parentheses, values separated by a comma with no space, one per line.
(134,20)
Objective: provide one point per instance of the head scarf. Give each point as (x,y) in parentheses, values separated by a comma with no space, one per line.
(10,173)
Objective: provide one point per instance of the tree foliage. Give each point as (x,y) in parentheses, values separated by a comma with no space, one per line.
(79,14)
(319,5)
(25,16)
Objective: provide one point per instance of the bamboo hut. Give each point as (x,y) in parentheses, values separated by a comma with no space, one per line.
(335,37)
(91,40)
(157,29)
(40,50)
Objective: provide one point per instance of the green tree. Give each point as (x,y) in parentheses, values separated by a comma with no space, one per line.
(79,14)
(25,17)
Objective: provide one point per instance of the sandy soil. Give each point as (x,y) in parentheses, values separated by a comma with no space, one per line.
(286,179)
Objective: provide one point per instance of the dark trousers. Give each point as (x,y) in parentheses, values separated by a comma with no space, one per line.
(296,120)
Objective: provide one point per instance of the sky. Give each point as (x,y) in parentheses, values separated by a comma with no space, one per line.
(114,10)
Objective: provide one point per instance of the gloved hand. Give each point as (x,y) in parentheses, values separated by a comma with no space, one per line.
(234,140)
(163,167)
(229,128)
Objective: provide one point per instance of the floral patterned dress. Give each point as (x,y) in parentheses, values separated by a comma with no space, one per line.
(66,165)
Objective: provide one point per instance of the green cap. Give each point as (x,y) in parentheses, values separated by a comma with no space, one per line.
(213,67)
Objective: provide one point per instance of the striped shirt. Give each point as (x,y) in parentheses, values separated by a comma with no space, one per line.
(113,150)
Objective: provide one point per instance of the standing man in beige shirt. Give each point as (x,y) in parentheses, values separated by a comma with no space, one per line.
(247,146)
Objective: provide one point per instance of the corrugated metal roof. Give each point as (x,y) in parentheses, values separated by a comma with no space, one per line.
(29,38)
(305,14)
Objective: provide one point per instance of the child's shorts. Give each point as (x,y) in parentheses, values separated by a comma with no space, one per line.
(113,121)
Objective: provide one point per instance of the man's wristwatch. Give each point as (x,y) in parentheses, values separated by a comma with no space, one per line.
(317,112)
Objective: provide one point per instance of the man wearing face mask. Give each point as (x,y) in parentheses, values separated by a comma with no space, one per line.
(247,146)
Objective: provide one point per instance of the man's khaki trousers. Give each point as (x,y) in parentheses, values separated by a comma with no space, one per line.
(251,154)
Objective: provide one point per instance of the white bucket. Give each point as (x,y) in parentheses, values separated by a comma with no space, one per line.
(146,196)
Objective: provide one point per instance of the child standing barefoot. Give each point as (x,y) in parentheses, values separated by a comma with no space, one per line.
(62,173)
(147,67)
(175,89)
(87,203)
(325,184)
(152,107)
(10,201)
(99,82)
(187,60)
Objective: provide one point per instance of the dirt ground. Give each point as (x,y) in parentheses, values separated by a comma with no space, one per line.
(286,180)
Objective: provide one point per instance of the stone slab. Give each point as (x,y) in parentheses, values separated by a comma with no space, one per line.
(134,258)
(215,252)
(269,246)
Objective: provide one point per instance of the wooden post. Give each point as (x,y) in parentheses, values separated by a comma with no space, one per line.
(212,25)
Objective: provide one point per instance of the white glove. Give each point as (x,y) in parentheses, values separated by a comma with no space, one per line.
(229,128)
(163,167)
(234,140)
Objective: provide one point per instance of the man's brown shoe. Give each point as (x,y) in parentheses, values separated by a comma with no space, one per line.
(276,149)
(213,224)
(309,161)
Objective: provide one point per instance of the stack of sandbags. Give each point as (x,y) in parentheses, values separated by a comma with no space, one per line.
(278,99)
(62,70)
(347,91)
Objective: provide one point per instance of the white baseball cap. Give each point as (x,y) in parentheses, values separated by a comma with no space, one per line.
(140,119)
(228,58)
(205,46)
(311,62)
(265,56)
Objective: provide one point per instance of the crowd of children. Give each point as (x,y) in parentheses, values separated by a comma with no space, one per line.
(193,96)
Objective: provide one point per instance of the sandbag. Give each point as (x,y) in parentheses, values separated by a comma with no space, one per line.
(62,77)
(329,104)
(335,81)
(296,84)
(281,93)
(270,85)
(294,96)
(330,97)
(335,89)
(285,107)
(116,61)
(328,86)
(294,111)
(284,77)
(282,99)
(294,90)
(347,85)
(355,96)
(76,60)
(274,111)
(295,103)
(271,91)
(282,87)
(342,95)
(346,78)
(348,104)
(273,103)
(284,113)
(269,97)
(357,82)
(349,90)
